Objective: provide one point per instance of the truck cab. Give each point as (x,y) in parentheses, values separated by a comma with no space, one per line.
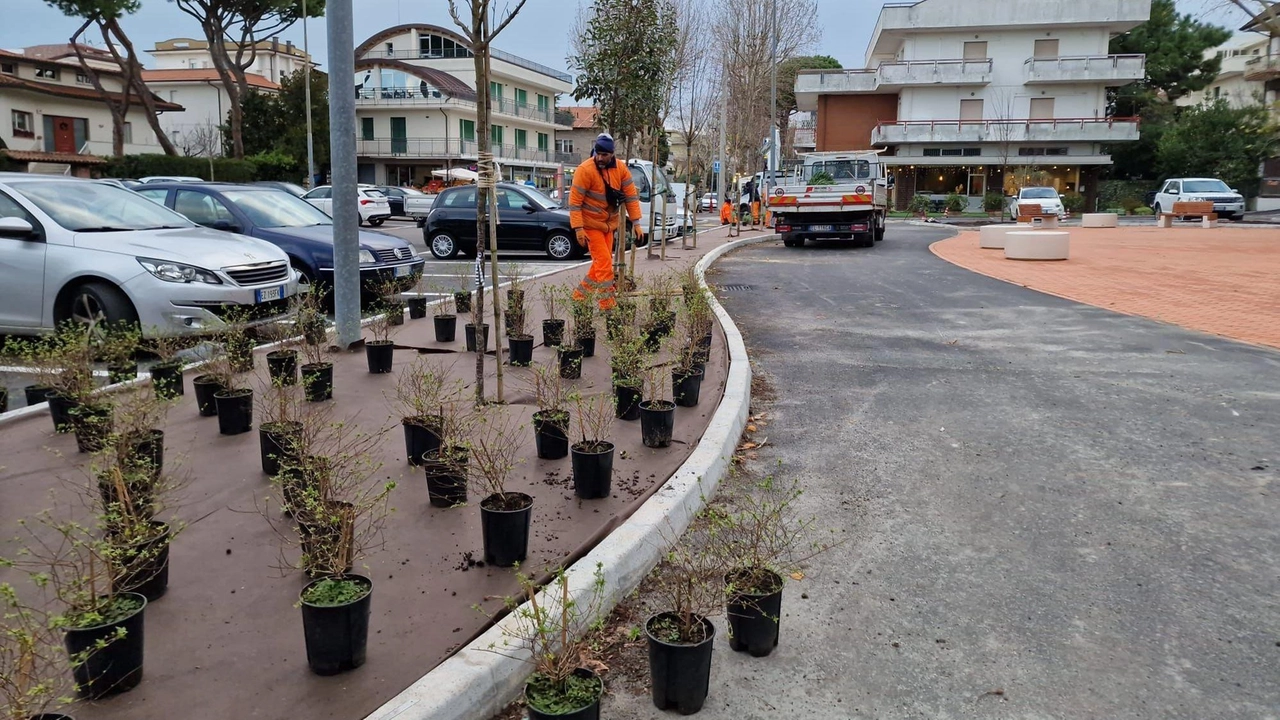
(657,197)
(833,195)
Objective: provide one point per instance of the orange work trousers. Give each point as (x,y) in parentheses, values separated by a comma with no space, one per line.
(599,282)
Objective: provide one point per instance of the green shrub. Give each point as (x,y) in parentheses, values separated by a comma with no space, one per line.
(822,177)
(1130,204)
(956,203)
(274,165)
(993,201)
(137,166)
(1112,192)
(1144,210)
(1073,203)
(919,204)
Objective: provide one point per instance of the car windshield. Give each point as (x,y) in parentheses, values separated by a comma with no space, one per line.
(1040,193)
(540,199)
(98,207)
(1194,186)
(276,208)
(372,193)
(842,169)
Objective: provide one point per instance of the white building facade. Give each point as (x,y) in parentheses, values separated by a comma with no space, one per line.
(954,91)
(1248,74)
(415,91)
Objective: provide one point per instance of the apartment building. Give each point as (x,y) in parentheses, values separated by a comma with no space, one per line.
(58,122)
(416,108)
(953,92)
(272,58)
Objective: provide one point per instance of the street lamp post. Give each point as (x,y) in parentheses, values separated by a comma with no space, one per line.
(306,49)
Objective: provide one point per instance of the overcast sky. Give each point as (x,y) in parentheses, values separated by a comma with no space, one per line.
(539,33)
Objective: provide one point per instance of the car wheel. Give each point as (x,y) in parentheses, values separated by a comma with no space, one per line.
(1156,208)
(377,222)
(99,303)
(744,213)
(560,246)
(304,277)
(443,246)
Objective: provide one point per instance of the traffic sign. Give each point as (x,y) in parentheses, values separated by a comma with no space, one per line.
(715,167)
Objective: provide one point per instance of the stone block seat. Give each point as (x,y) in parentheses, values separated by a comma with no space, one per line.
(1099,220)
(1037,245)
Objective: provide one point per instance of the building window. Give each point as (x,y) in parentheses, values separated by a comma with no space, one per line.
(971,109)
(1046,48)
(47,73)
(366,128)
(127,133)
(435,46)
(544,104)
(83,79)
(1217,92)
(173,96)
(8,68)
(391,50)
(1041,108)
(544,142)
(1038,151)
(975,50)
(953,152)
(564,146)
(495,90)
(467,130)
(522,138)
(23,125)
(522,97)
(495,134)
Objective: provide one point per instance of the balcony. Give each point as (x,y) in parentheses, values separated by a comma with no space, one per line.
(805,138)
(1085,69)
(933,72)
(1101,130)
(1263,68)
(464,54)
(812,83)
(401,97)
(445,149)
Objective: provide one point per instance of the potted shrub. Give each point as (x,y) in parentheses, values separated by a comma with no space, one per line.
(462,298)
(446,468)
(592,456)
(688,588)
(446,321)
(417,302)
(166,373)
(280,431)
(920,206)
(214,378)
(63,367)
(130,493)
(233,398)
(380,350)
(955,204)
(569,352)
(657,414)
(421,392)
(317,372)
(660,320)
(993,204)
(519,340)
(584,327)
(505,516)
(390,303)
(550,629)
(32,662)
(553,299)
(551,419)
(310,315)
(627,360)
(117,345)
(238,342)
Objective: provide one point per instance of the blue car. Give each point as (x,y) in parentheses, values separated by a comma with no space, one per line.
(293,225)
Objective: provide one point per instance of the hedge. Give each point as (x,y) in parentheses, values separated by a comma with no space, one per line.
(139,166)
(1115,193)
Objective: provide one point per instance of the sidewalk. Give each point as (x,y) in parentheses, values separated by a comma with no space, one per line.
(1220,281)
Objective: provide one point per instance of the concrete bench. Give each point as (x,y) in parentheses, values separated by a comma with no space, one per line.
(1099,220)
(1208,218)
(1036,218)
(1037,245)
(992,236)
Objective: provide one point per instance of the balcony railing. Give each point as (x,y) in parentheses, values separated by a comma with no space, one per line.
(1262,68)
(835,81)
(464,54)
(1085,68)
(366,97)
(445,148)
(934,72)
(805,137)
(1018,130)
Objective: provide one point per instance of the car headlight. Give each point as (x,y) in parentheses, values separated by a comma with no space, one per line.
(178,272)
(413,251)
(367,258)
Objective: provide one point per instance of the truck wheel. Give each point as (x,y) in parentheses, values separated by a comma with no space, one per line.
(868,240)
(879,229)
(791,241)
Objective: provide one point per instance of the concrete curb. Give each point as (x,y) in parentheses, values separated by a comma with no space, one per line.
(477,683)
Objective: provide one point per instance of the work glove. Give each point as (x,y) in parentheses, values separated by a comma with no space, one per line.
(582,237)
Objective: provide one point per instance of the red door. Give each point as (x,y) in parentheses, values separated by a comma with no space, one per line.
(64,135)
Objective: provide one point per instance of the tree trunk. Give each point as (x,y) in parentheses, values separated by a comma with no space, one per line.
(118,113)
(133,75)
(213,33)
(484,143)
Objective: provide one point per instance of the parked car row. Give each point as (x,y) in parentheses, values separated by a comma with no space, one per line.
(173,257)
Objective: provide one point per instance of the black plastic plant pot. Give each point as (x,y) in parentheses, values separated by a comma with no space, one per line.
(570,362)
(283,366)
(417,308)
(92,425)
(521,347)
(122,372)
(278,443)
(551,435)
(51,716)
(4,400)
(205,387)
(504,522)
(686,386)
(336,635)
(754,615)
(628,402)
(657,422)
(317,381)
(446,328)
(379,354)
(421,438)
(470,331)
(115,667)
(679,673)
(447,479)
(146,566)
(395,314)
(552,332)
(462,302)
(60,411)
(166,378)
(37,394)
(592,469)
(587,712)
(235,410)
(704,342)
(146,452)
(588,345)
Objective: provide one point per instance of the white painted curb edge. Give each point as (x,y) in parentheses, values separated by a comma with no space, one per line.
(476,683)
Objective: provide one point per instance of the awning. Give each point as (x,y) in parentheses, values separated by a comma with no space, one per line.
(52,157)
(457,174)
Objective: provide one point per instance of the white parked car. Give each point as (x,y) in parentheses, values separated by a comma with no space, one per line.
(707,203)
(1046,197)
(1227,203)
(374,206)
(81,250)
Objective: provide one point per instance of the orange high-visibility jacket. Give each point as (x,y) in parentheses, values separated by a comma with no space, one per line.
(726,213)
(588,204)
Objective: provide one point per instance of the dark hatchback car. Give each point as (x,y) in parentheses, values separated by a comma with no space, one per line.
(293,225)
(528,220)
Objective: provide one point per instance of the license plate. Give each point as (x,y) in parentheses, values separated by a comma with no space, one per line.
(820,228)
(404,270)
(268,294)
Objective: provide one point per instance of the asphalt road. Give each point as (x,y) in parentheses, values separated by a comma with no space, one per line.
(1052,511)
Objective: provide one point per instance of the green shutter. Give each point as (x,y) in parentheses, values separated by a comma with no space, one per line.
(522,97)
(366,128)
(495,134)
(544,103)
(544,141)
(467,130)
(522,138)
(495,90)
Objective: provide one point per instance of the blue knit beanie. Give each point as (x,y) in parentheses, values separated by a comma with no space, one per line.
(604,143)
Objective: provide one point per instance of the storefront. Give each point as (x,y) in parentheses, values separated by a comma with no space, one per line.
(974,181)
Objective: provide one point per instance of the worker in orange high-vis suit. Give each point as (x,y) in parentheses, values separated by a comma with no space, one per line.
(601,185)
(726,212)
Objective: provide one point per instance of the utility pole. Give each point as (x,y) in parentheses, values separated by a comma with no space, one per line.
(775,151)
(342,157)
(724,121)
(306,49)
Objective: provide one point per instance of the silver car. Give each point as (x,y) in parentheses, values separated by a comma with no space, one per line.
(80,250)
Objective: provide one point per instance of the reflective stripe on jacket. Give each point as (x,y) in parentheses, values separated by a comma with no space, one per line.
(588,203)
